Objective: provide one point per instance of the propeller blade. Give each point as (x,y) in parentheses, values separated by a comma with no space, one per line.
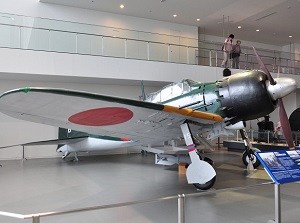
(285,125)
(264,68)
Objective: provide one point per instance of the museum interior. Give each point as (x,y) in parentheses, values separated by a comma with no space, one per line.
(139,111)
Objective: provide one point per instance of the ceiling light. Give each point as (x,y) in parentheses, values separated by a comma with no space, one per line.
(174,15)
(257,30)
(198,19)
(122,6)
(239,27)
(290,36)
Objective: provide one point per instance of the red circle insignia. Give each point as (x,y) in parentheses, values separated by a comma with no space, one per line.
(102,116)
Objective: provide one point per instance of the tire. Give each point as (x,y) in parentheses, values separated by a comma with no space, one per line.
(255,161)
(207,185)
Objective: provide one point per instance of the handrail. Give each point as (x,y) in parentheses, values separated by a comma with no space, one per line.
(255,136)
(249,61)
(100,35)
(181,197)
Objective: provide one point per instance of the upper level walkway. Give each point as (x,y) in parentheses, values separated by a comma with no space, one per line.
(39,34)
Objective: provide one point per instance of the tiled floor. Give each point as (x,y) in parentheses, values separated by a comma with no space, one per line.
(42,185)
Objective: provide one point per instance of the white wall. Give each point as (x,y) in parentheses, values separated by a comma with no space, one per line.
(37,9)
(293,48)
(74,65)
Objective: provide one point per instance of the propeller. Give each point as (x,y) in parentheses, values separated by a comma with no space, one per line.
(264,68)
(285,125)
(277,93)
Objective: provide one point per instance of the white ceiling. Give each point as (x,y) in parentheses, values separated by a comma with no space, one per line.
(276,19)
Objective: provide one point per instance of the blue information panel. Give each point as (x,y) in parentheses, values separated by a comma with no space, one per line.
(283,166)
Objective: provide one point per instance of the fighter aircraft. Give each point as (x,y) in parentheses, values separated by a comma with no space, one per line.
(187,108)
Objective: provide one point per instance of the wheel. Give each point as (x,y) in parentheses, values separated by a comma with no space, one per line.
(207,185)
(254,160)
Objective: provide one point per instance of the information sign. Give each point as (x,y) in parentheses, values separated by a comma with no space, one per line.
(283,166)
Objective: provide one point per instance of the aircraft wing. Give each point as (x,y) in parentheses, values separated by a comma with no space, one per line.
(97,114)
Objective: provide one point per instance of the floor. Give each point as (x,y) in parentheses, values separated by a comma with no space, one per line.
(43,185)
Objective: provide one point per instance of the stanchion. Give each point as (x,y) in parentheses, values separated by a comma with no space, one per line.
(181,215)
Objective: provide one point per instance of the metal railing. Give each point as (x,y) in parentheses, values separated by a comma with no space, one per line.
(266,136)
(181,212)
(275,63)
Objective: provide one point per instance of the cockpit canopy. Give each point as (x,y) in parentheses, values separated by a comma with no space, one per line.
(172,90)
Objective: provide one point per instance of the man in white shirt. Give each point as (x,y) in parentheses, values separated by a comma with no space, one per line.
(227,47)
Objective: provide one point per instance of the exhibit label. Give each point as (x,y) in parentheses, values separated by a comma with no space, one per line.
(283,166)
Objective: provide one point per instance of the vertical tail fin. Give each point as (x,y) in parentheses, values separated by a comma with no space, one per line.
(68,133)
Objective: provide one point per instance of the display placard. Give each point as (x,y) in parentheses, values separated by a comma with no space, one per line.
(283,166)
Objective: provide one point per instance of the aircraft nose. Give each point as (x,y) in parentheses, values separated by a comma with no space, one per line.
(283,87)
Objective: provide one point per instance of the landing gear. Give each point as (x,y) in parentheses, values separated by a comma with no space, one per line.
(210,183)
(249,158)
(199,173)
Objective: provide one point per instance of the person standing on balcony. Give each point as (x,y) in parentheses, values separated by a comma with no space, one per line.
(227,48)
(235,54)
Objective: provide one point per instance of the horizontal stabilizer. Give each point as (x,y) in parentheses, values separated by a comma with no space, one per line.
(49,142)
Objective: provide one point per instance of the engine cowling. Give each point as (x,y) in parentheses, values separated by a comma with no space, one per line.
(245,97)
